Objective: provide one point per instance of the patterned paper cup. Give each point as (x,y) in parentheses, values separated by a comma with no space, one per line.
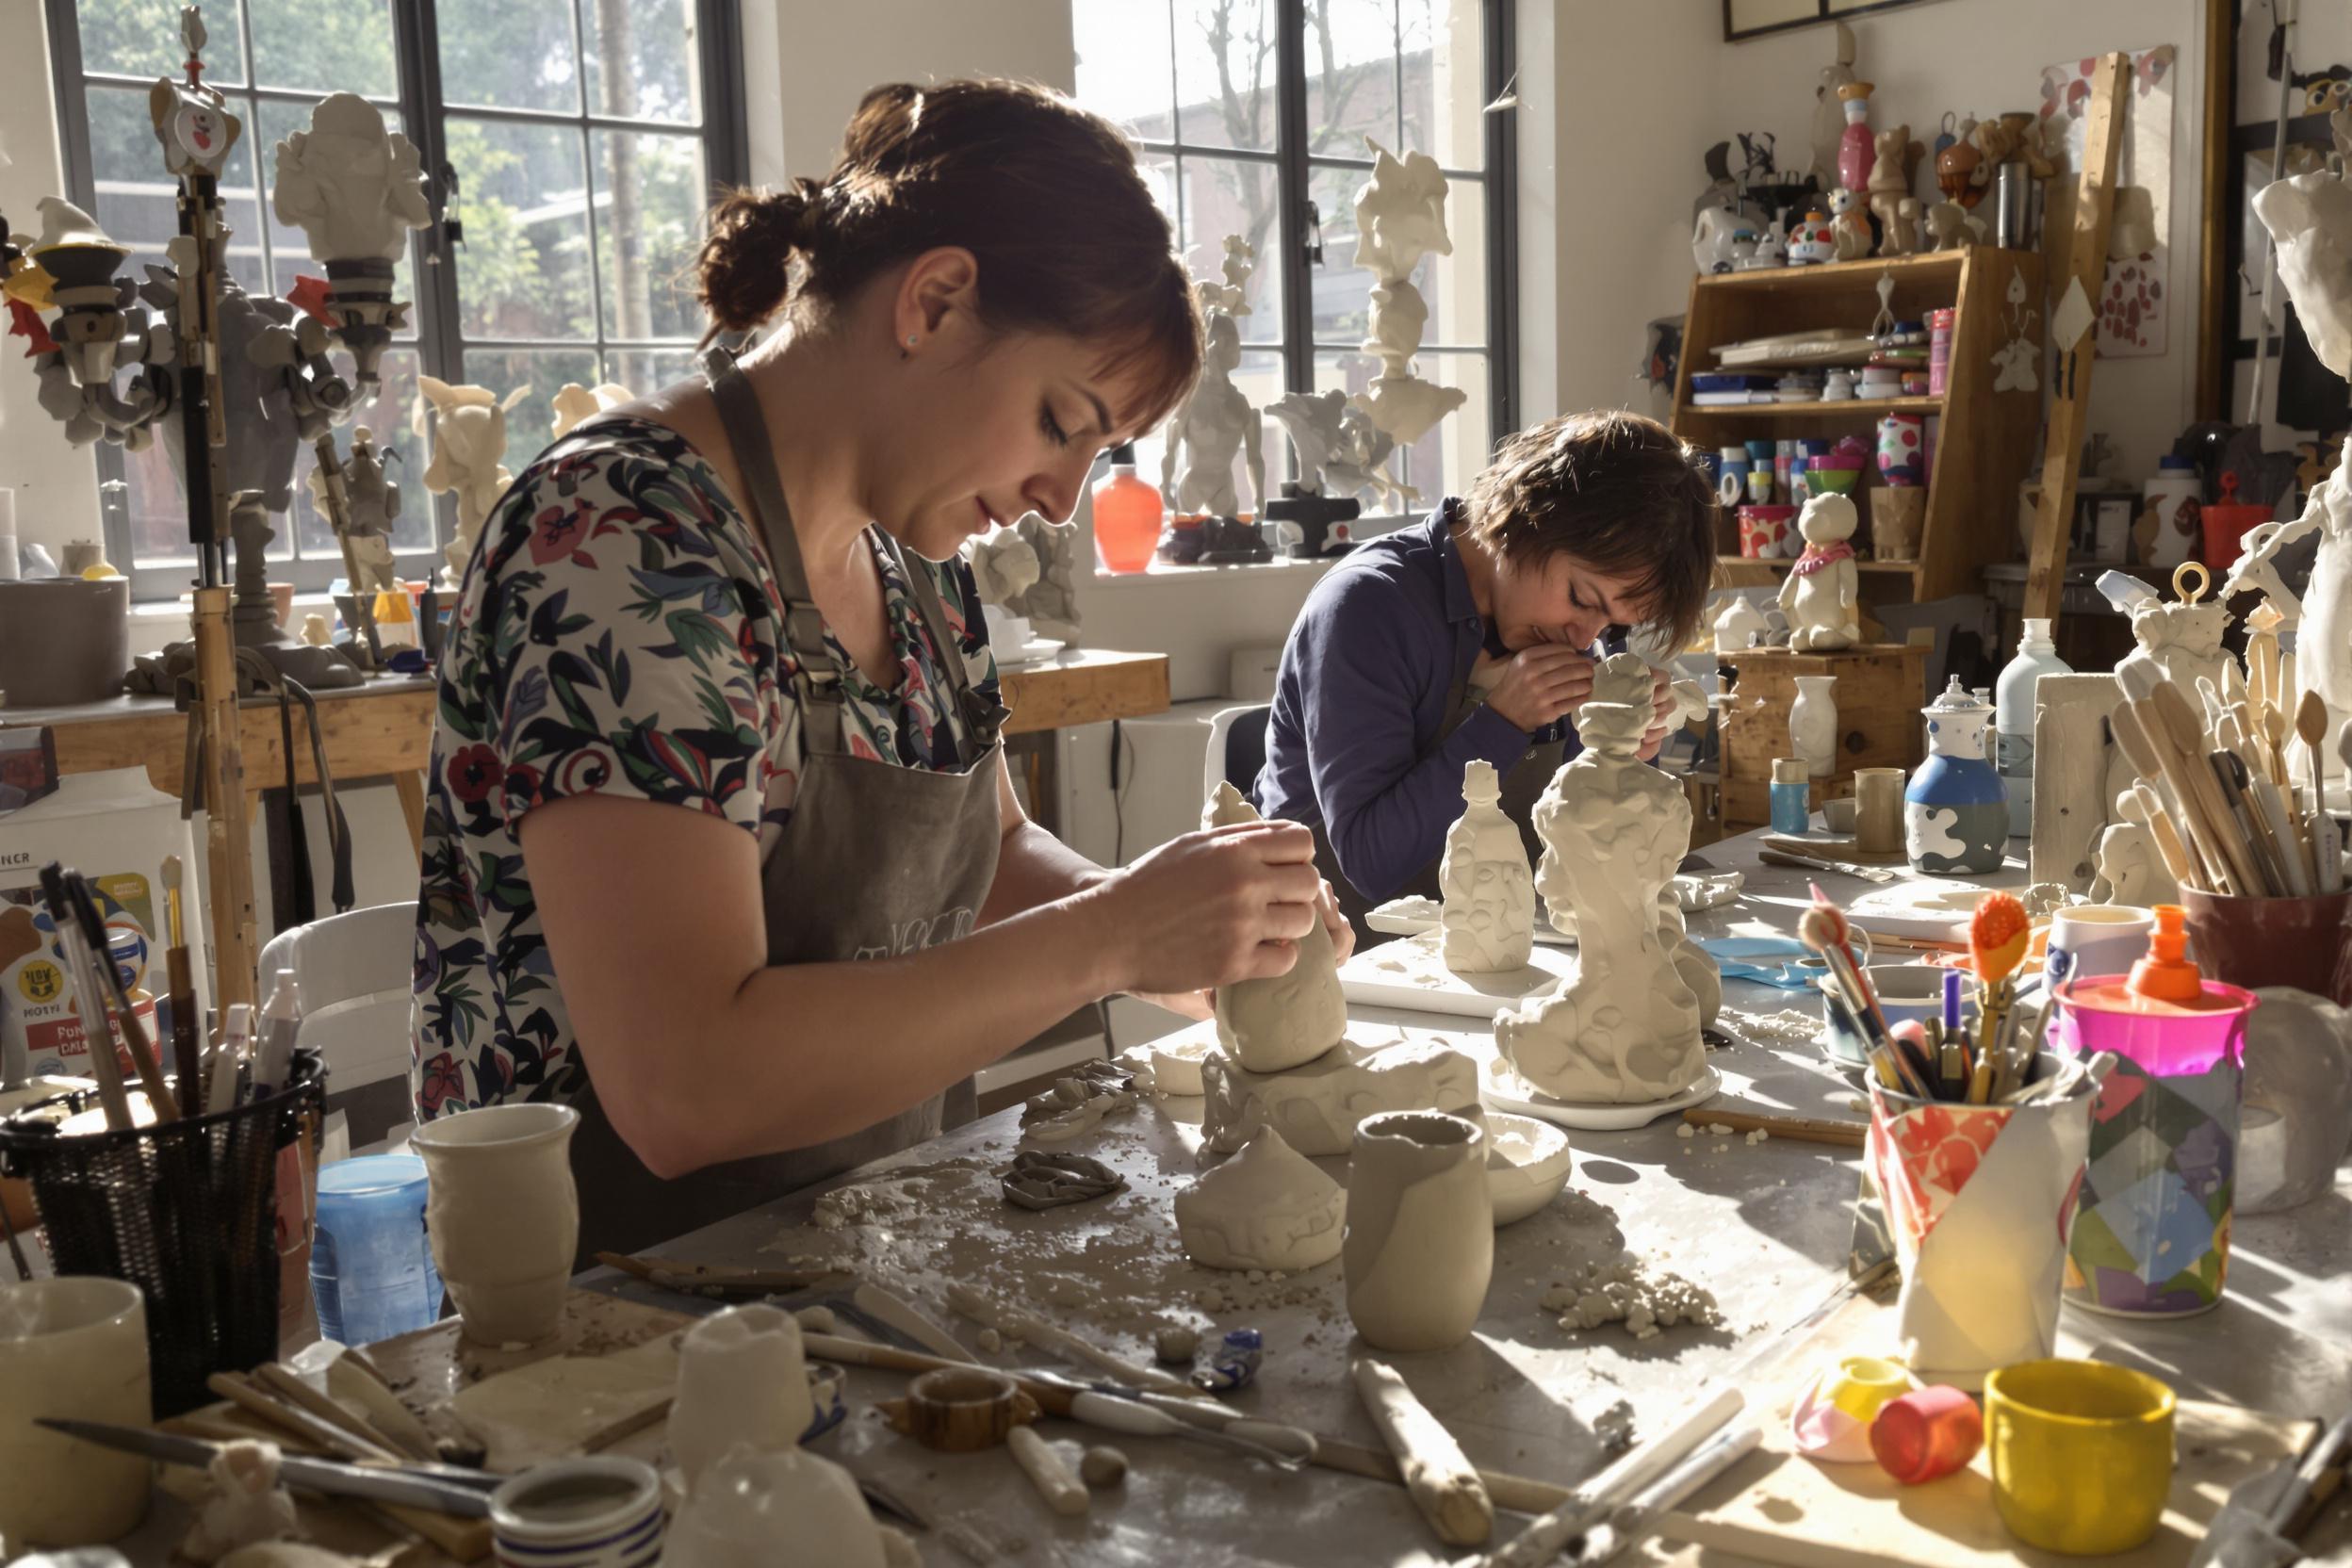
(1980,1199)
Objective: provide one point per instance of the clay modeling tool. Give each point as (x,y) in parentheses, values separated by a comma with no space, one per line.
(187,1039)
(333,1478)
(2186,737)
(1638,1520)
(2168,845)
(1439,1476)
(2310,727)
(1613,1488)
(1816,862)
(1015,1324)
(88,1003)
(2294,856)
(2328,1451)
(2231,777)
(1285,1447)
(1796,1129)
(907,1320)
(2158,772)
(134,1035)
(1056,1481)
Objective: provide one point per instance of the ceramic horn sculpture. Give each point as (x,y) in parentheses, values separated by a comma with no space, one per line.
(1400,218)
(1625,1029)
(1488,923)
(1289,1020)
(467,428)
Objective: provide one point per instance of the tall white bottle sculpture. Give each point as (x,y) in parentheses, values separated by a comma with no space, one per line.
(1813,724)
(1274,1025)
(1489,916)
(1625,1030)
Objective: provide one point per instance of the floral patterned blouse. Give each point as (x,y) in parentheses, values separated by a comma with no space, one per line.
(619,632)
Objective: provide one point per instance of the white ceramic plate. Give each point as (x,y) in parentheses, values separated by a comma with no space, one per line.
(1506,1090)
(1410,974)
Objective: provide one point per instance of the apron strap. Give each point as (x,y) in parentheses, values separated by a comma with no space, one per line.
(818,683)
(981,718)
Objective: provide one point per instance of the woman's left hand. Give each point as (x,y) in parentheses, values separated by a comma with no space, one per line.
(1661,714)
(1201,1005)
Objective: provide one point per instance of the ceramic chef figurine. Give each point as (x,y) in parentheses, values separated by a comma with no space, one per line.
(1400,218)
(1955,812)
(1488,915)
(1825,585)
(1625,1030)
(467,428)
(2130,870)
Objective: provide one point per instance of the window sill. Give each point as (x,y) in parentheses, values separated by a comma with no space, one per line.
(1281,565)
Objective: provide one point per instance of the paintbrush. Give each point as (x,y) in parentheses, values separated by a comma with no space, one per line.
(1823,929)
(126,1019)
(186,1037)
(1998,933)
(88,1001)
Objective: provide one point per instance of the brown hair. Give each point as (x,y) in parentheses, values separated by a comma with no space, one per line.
(1045,195)
(1618,492)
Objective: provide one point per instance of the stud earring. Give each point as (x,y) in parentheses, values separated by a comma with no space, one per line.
(910,340)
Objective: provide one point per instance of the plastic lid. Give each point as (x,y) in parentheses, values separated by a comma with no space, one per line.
(1955,699)
(1125,452)
(2167,974)
(2038,629)
(370,1173)
(1792,769)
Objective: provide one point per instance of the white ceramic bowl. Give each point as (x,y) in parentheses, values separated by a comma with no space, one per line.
(1526,1164)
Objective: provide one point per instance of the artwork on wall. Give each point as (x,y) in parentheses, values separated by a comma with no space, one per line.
(2134,300)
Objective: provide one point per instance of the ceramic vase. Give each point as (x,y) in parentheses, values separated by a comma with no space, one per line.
(71,1346)
(503,1216)
(1955,813)
(1419,1249)
(1902,449)
(741,1380)
(1813,724)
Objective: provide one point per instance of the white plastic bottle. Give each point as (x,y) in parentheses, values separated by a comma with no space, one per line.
(2014,707)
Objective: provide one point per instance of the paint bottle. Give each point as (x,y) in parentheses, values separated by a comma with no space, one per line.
(1127,515)
(1793,796)
(2014,705)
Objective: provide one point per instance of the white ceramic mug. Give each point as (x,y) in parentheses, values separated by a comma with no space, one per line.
(2096,939)
(741,1380)
(503,1216)
(599,1513)
(73,1347)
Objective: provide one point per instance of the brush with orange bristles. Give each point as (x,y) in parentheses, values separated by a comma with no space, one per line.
(1998,937)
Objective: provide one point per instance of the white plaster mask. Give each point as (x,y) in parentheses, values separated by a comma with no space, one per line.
(353,187)
(2310,218)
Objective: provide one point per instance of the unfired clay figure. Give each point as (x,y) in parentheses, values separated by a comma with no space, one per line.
(1741,627)
(1003,566)
(467,428)
(1891,202)
(1271,1025)
(1824,586)
(1400,218)
(573,404)
(1267,1207)
(1213,426)
(1358,466)
(1813,724)
(1050,603)
(1176,1065)
(1625,1030)
(761,1509)
(503,1216)
(2130,870)
(1317,1108)
(372,502)
(246,1504)
(1420,1244)
(1489,916)
(743,1382)
(2182,642)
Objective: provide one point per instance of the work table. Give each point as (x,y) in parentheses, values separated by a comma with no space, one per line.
(1764,1226)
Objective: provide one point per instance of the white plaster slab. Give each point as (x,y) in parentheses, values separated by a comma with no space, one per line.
(1410,974)
(1506,1090)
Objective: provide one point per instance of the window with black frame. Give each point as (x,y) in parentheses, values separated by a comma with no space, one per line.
(571,147)
(1258,118)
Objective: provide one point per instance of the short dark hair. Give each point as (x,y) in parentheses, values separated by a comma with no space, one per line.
(1618,492)
(1044,194)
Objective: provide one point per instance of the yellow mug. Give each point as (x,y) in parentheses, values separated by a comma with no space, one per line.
(2081,1454)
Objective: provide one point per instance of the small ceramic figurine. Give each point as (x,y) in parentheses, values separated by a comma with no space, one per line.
(1489,916)
(371,501)
(1267,1207)
(1952,227)
(1741,627)
(1625,1029)
(1271,1025)
(2130,870)
(1050,603)
(1825,585)
(1711,238)
(2180,640)
(1812,240)
(1214,425)
(1856,150)
(1956,811)
(1813,724)
(1891,202)
(467,428)
(574,402)
(1849,225)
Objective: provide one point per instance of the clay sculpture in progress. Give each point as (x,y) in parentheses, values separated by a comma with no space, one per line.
(1420,1244)
(1625,1030)
(1317,1108)
(1488,915)
(1267,1207)
(743,1382)
(1271,1025)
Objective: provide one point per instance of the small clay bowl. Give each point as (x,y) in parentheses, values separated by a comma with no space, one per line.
(961,1410)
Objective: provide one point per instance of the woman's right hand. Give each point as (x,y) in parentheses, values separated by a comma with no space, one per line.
(1211,907)
(1542,684)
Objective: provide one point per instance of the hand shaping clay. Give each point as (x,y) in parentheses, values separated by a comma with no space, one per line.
(1317,1107)
(247,1504)
(1625,1030)
(1489,916)
(1267,1207)
(1270,1025)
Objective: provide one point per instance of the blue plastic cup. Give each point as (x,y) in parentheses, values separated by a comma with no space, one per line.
(372,1270)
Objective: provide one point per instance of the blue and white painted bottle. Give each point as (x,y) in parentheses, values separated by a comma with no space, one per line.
(1955,813)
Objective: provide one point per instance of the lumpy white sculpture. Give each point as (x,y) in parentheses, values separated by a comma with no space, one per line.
(1488,915)
(1267,1207)
(2130,868)
(573,404)
(1214,424)
(1287,1021)
(1400,218)
(1317,1107)
(1625,1030)
(467,428)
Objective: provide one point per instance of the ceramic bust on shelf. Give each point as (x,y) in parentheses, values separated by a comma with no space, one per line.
(1488,923)
(1825,585)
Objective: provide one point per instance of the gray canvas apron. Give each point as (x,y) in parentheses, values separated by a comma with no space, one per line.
(875,860)
(1522,786)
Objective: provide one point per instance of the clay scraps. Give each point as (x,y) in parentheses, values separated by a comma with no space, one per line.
(1040,1180)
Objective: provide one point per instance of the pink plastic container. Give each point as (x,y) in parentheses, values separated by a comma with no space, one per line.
(1939,324)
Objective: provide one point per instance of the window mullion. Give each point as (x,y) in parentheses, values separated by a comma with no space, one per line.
(417,38)
(1290,186)
(1500,186)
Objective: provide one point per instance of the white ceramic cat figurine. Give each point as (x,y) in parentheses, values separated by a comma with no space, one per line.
(1489,916)
(1625,1030)
(1823,586)
(1272,1025)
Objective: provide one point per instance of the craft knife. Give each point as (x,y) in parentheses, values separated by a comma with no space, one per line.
(413,1486)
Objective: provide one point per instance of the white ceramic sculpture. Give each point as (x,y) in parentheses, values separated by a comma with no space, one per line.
(1697,967)
(503,1216)
(371,502)
(2298,1113)
(355,188)
(466,426)
(1002,565)
(1813,724)
(1176,1066)
(1741,627)
(1400,218)
(1489,915)
(1527,1162)
(1420,1245)
(1313,421)
(2130,870)
(245,1506)
(1050,603)
(2182,642)
(1317,1108)
(1829,112)
(1286,1021)
(785,1509)
(1824,586)
(573,404)
(1267,1207)
(743,1382)
(1625,1030)
(1214,424)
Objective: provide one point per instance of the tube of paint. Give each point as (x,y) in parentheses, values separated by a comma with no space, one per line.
(1234,1364)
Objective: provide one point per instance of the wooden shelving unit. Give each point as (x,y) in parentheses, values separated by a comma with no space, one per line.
(1985,439)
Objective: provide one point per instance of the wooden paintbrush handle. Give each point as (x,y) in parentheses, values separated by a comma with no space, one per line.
(1796,1129)
(186,1059)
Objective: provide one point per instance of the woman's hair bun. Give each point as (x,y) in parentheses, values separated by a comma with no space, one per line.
(744,276)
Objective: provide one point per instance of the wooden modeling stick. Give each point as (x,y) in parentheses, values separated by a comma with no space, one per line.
(2132,724)
(2168,845)
(1056,1481)
(2182,731)
(1439,1475)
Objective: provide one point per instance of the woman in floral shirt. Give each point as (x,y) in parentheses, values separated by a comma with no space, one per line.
(720,846)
